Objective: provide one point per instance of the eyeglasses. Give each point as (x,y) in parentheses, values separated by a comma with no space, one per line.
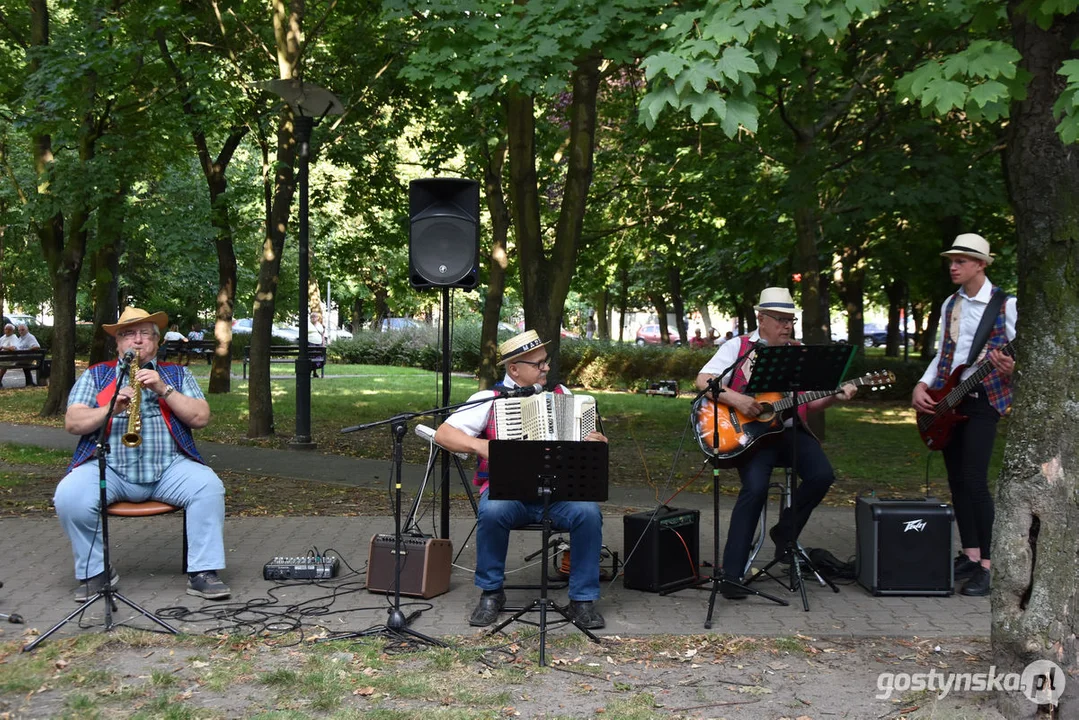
(146,333)
(780,320)
(536,364)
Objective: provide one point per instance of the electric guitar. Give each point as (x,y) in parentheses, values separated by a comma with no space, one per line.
(728,434)
(936,427)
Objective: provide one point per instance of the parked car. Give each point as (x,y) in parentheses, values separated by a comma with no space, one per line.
(399,324)
(17,319)
(241,326)
(649,335)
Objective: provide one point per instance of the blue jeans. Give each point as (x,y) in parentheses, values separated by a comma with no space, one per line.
(185,483)
(815,474)
(582,520)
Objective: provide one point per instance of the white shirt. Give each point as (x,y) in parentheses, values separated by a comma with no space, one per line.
(725,355)
(173,335)
(9,341)
(970,316)
(27,342)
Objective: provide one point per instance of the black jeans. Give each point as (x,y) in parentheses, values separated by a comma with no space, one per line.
(966,457)
(815,474)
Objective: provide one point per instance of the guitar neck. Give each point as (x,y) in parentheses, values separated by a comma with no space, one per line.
(808,397)
(983,369)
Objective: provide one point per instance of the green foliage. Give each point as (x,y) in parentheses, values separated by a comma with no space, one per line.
(980,80)
(613,366)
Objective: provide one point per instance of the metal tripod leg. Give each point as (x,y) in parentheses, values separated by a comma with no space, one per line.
(109,596)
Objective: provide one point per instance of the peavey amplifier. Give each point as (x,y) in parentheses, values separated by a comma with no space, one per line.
(904,546)
(425,565)
(660,552)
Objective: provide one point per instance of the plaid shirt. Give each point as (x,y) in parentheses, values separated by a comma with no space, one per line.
(160,445)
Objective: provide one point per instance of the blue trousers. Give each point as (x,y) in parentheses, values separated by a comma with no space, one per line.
(185,483)
(582,520)
(815,474)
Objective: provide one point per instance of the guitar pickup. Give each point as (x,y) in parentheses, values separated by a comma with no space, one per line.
(734,419)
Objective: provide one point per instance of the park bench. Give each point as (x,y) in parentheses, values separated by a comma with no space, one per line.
(27,360)
(180,350)
(289,354)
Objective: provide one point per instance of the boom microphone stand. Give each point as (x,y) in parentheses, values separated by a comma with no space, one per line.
(107,592)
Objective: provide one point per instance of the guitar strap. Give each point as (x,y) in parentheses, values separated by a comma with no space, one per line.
(989,318)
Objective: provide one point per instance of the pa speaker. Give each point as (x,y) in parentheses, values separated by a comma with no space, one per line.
(425,565)
(904,546)
(661,549)
(444,233)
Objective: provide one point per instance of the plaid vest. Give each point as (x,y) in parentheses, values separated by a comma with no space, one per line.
(491,433)
(741,379)
(998,389)
(104,377)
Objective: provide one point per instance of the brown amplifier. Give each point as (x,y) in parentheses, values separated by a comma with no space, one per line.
(425,565)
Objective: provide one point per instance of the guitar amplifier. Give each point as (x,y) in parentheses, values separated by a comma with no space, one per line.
(661,549)
(904,546)
(425,565)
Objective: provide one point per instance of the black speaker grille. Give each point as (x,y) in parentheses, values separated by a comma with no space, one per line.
(443,249)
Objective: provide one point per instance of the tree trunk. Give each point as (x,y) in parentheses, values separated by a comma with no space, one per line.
(288,34)
(897,293)
(545,280)
(490,371)
(623,301)
(105,269)
(603,315)
(679,303)
(1036,534)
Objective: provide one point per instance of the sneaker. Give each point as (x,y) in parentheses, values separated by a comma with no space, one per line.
(92,586)
(583,613)
(487,609)
(963,567)
(207,585)
(978,585)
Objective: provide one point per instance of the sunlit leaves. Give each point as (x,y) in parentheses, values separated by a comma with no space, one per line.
(977,80)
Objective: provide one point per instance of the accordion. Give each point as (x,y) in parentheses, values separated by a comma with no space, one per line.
(545,416)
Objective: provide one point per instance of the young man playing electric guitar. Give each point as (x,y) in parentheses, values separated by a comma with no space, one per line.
(968,445)
(775,326)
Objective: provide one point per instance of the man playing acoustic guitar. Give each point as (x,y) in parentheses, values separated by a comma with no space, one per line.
(969,445)
(775,318)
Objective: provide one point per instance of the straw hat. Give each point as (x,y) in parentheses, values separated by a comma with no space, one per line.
(776,299)
(971,245)
(133,316)
(518,345)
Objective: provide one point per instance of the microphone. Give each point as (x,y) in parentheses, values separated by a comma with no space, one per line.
(518,392)
(128,357)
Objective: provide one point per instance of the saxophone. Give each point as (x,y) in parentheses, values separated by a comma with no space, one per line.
(132,438)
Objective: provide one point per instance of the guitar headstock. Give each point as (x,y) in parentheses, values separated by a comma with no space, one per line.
(877,380)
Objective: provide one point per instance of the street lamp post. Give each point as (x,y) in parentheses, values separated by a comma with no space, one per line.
(308,101)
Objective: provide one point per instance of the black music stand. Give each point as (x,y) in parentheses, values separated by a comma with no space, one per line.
(794,369)
(547,471)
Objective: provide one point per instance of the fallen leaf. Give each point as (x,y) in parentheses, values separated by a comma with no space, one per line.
(365,691)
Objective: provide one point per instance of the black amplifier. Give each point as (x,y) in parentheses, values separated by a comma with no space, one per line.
(307,567)
(661,549)
(904,546)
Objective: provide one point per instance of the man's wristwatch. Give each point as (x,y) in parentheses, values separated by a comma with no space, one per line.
(169,390)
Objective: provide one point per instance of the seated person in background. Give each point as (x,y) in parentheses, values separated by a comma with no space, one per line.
(316,331)
(21,339)
(697,341)
(165,466)
(775,318)
(174,334)
(197,334)
(470,430)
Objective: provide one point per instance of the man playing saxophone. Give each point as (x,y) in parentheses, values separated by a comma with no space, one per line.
(152,457)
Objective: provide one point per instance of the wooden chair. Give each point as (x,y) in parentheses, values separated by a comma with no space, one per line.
(146,509)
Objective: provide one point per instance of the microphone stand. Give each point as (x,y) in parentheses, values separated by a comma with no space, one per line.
(107,592)
(398,623)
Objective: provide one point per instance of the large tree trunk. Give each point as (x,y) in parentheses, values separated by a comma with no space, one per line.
(679,303)
(1036,534)
(603,315)
(288,33)
(105,269)
(490,371)
(545,280)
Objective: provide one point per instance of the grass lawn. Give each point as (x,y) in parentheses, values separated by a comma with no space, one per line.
(872,445)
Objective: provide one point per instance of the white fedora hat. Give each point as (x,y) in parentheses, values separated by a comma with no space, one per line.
(776,299)
(971,245)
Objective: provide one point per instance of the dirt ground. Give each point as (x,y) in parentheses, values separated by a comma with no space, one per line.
(135,675)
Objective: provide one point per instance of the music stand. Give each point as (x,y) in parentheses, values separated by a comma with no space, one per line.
(547,471)
(794,369)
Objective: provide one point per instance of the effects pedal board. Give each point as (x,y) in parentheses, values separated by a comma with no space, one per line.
(307,567)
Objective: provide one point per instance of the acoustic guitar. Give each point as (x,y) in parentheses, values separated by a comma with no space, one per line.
(936,427)
(736,433)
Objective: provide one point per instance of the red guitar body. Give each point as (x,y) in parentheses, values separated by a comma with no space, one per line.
(936,428)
